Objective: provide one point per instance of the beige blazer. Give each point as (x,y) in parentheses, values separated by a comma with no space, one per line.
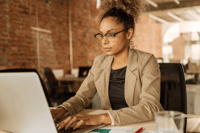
(142,88)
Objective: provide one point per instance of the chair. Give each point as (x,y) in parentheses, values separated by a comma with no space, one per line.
(173,87)
(54,88)
(31,70)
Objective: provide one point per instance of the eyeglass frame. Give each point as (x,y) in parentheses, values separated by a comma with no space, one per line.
(113,34)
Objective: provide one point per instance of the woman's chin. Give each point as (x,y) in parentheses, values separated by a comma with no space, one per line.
(109,53)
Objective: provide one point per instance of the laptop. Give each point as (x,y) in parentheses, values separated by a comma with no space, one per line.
(23,106)
(83,71)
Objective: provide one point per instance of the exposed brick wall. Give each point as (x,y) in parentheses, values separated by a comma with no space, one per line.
(18,42)
(85,23)
(148,36)
(178,45)
(16,47)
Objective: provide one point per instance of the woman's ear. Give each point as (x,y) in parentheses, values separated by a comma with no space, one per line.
(129,33)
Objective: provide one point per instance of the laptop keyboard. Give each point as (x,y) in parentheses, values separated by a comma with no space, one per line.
(69,130)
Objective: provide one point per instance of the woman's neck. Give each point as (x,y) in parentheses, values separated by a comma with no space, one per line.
(120,60)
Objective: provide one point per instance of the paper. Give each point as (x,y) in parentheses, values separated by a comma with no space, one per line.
(109,131)
(118,130)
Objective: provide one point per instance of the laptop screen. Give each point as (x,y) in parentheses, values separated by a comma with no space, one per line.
(23,105)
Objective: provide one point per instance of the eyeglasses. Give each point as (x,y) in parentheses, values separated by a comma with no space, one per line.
(109,36)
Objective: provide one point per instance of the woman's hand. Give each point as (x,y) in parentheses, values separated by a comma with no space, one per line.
(84,119)
(57,113)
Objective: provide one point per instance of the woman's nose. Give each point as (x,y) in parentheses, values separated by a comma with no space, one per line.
(104,41)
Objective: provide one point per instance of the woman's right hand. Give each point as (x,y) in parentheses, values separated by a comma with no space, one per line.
(58,113)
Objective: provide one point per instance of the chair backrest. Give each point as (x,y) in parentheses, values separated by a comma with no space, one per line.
(51,80)
(31,70)
(173,87)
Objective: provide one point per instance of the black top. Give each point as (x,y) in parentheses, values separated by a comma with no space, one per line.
(116,88)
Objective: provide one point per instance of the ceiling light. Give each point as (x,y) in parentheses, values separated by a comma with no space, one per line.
(158,19)
(152,3)
(177,2)
(175,17)
(193,14)
(198,10)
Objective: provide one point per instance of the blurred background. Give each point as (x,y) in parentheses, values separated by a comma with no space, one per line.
(58,34)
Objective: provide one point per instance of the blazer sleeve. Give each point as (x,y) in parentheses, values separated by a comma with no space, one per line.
(83,96)
(149,96)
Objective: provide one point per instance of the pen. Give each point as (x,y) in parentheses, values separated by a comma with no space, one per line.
(139,130)
(88,131)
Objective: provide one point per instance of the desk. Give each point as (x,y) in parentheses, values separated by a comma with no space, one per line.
(70,79)
(193,71)
(147,125)
(150,125)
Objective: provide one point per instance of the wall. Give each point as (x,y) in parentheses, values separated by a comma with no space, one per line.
(179,46)
(19,43)
(85,23)
(148,36)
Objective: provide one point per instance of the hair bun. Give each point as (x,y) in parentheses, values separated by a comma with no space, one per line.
(132,7)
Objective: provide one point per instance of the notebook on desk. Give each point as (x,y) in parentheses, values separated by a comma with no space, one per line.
(23,106)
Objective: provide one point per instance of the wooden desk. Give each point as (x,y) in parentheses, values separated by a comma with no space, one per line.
(193,71)
(150,125)
(70,79)
(147,125)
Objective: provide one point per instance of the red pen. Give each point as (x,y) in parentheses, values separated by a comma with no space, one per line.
(139,130)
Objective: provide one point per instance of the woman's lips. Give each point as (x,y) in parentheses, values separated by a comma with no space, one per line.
(107,49)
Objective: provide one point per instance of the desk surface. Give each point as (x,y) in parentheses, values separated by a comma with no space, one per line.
(147,125)
(193,71)
(150,125)
(70,79)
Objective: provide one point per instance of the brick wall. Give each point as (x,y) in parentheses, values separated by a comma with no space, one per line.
(85,23)
(148,36)
(18,42)
(178,45)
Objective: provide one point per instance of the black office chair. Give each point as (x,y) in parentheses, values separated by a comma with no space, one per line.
(54,87)
(31,70)
(173,87)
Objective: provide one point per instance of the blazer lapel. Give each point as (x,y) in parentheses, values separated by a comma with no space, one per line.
(131,77)
(107,69)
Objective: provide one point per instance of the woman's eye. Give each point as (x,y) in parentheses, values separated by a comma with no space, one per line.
(111,35)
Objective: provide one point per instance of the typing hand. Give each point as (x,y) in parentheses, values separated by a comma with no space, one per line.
(82,119)
(57,113)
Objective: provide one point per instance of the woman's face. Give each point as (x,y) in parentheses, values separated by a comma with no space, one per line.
(120,43)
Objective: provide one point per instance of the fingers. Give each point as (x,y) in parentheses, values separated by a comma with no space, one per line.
(83,119)
(64,122)
(71,122)
(53,110)
(55,114)
(81,122)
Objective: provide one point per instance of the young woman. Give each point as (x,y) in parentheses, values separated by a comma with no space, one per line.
(127,80)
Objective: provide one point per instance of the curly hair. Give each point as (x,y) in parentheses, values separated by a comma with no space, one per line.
(126,11)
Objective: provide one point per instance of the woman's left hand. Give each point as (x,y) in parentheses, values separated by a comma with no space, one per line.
(83,119)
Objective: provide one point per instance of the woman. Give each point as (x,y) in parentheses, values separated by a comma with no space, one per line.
(127,80)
